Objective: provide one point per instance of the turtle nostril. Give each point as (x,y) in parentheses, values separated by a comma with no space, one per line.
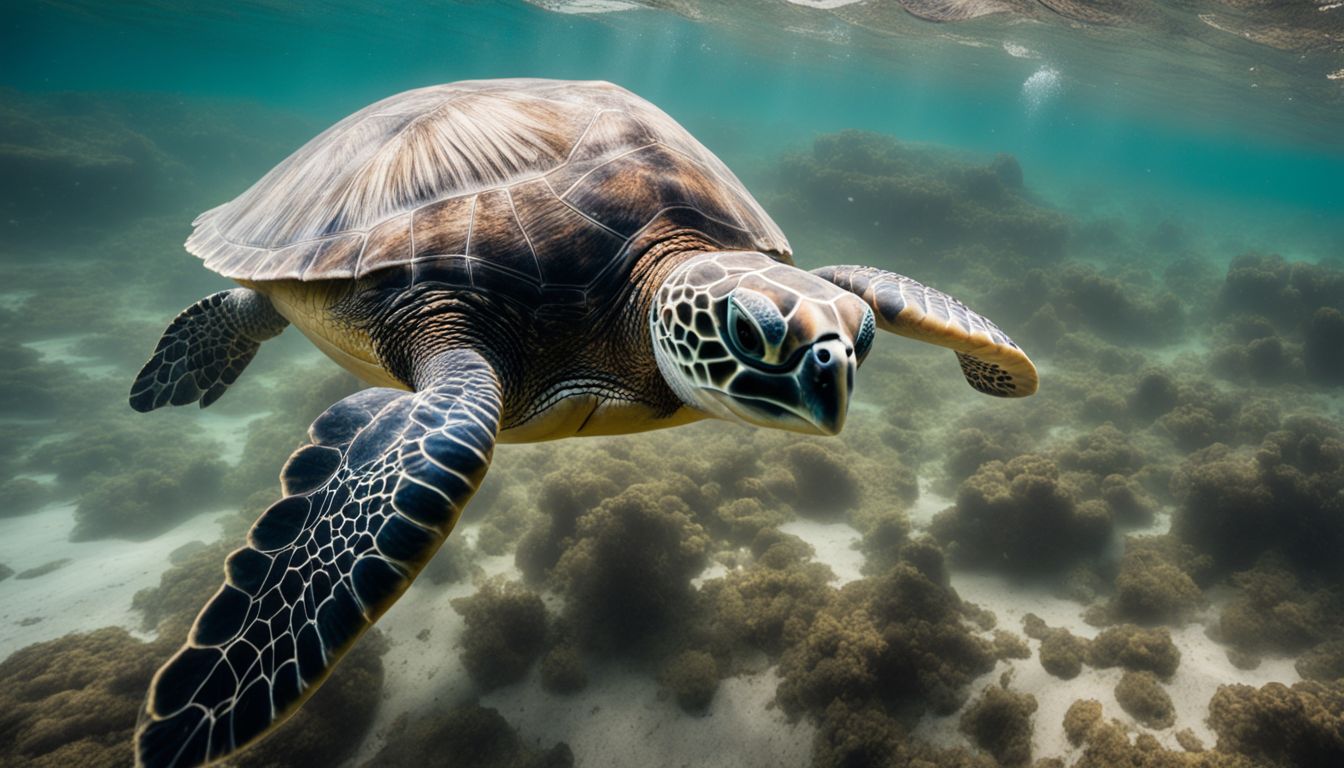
(823,356)
(849,351)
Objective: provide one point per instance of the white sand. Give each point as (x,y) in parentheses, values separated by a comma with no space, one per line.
(621,720)
(93,590)
(1204,666)
(60,350)
(929,503)
(836,545)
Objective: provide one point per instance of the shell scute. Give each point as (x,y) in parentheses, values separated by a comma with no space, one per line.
(543,215)
(497,239)
(388,245)
(469,178)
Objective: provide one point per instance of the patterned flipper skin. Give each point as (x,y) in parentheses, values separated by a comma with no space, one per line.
(991,362)
(366,504)
(205,349)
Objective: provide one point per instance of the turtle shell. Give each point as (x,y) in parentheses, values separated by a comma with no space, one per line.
(534,182)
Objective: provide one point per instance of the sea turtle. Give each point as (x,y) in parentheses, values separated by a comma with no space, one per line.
(506,260)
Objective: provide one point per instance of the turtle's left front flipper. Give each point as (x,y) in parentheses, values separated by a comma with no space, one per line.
(991,362)
(366,505)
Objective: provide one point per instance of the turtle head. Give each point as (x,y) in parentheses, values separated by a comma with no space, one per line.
(746,338)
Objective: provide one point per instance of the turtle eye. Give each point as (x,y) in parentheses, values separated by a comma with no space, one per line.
(755,324)
(863,343)
(748,338)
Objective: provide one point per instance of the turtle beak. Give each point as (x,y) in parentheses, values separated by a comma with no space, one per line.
(825,379)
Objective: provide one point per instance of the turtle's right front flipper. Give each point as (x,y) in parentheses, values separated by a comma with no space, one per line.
(366,505)
(205,348)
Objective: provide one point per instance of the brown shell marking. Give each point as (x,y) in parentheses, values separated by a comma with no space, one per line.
(485,176)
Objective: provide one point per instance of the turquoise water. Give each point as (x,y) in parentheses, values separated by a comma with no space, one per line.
(1172,257)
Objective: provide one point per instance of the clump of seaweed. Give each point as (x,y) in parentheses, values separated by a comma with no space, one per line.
(894,638)
(1324,662)
(1274,612)
(1285,497)
(1000,722)
(1136,649)
(1155,583)
(562,499)
(826,486)
(867,736)
(1021,515)
(505,633)
(1062,653)
(74,700)
(769,605)
(1277,725)
(1082,716)
(1140,694)
(627,574)
(692,677)
(1107,743)
(562,670)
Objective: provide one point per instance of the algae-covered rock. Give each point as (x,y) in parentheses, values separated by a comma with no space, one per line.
(1062,652)
(627,576)
(1000,722)
(22,495)
(1142,696)
(1324,662)
(1021,516)
(562,670)
(692,676)
(769,605)
(505,633)
(1009,646)
(1281,726)
(895,638)
(911,193)
(1080,719)
(826,486)
(1136,649)
(1154,582)
(74,700)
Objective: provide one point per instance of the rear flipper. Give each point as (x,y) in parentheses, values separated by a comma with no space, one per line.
(205,348)
(366,505)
